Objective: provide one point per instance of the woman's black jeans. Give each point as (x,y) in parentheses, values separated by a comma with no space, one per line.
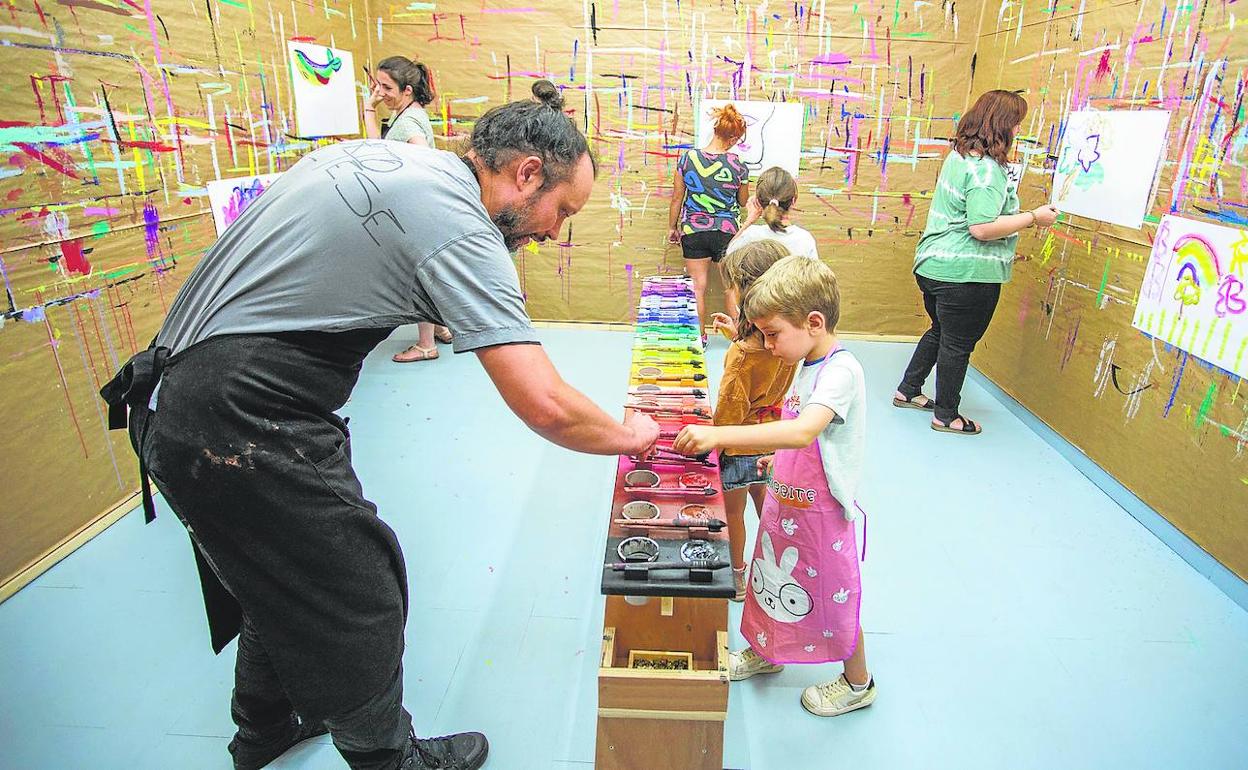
(960,313)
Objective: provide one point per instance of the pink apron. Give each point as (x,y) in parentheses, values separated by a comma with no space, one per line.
(805,588)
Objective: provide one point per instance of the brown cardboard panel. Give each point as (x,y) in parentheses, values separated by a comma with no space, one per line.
(1169,428)
(635,100)
(65,467)
(130,115)
(116,121)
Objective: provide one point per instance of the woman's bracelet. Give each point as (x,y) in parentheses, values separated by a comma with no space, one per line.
(370,110)
(1033,219)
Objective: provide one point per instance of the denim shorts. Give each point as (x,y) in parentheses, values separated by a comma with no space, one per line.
(736,471)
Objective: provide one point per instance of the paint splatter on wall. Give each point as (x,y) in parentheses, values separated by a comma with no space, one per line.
(116,116)
(1170,427)
(877,119)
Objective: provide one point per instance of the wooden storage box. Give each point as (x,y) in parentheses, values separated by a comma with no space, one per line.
(663,719)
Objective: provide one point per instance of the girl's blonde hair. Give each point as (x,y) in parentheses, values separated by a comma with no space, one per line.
(742,268)
(776,191)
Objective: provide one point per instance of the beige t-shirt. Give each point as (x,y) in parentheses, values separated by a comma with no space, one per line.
(413,121)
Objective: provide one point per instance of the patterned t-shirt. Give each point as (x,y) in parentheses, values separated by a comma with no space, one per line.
(969,191)
(712,181)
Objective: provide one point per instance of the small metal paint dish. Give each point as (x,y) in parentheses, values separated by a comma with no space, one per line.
(638,549)
(696,511)
(693,479)
(697,550)
(640,509)
(641,478)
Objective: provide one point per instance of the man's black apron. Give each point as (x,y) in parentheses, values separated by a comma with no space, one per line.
(245,447)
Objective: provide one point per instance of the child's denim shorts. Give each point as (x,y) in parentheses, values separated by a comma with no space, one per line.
(737,471)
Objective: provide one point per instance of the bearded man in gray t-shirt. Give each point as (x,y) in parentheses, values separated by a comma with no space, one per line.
(232,411)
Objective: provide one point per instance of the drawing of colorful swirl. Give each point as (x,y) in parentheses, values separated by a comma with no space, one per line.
(316,73)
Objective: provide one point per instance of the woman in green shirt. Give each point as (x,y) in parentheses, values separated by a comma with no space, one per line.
(966,253)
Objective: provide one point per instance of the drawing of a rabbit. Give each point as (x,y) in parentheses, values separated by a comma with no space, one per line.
(774,588)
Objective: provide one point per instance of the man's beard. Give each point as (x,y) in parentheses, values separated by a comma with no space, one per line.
(511,219)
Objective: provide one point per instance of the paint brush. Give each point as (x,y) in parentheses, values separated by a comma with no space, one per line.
(670,411)
(695,376)
(672,491)
(685,522)
(620,566)
(656,390)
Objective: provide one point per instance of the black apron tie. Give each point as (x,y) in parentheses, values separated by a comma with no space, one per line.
(132,389)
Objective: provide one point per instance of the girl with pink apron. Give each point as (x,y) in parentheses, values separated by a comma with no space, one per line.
(805,588)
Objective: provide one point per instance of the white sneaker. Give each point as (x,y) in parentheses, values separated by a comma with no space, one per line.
(834,698)
(746,663)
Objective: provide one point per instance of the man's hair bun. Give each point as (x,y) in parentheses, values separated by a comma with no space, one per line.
(546,93)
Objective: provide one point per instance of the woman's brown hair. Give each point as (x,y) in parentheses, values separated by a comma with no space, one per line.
(742,268)
(409,73)
(776,191)
(987,128)
(729,124)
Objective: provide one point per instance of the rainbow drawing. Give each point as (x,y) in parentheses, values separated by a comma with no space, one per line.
(314,72)
(1198,259)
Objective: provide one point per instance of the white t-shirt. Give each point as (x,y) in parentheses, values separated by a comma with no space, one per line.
(794,238)
(842,388)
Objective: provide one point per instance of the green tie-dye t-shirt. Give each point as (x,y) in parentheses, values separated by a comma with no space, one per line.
(969,191)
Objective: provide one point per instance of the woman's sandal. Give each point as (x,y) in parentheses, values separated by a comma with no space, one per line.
(443,336)
(415,353)
(909,403)
(969,428)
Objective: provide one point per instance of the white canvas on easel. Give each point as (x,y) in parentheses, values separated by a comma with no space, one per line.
(323,81)
(773,133)
(1108,163)
(230,197)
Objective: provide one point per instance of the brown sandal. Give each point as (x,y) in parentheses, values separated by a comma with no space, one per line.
(443,336)
(415,353)
(909,403)
(969,427)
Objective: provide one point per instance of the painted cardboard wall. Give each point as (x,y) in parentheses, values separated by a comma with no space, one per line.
(123,111)
(116,115)
(877,110)
(1170,428)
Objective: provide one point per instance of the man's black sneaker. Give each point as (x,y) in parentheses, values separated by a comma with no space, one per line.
(461,751)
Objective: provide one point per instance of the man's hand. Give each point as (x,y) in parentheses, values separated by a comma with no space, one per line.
(695,440)
(645,429)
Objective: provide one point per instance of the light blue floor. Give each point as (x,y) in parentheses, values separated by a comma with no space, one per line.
(1016,617)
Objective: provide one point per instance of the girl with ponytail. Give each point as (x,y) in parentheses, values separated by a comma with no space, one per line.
(710,186)
(772,202)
